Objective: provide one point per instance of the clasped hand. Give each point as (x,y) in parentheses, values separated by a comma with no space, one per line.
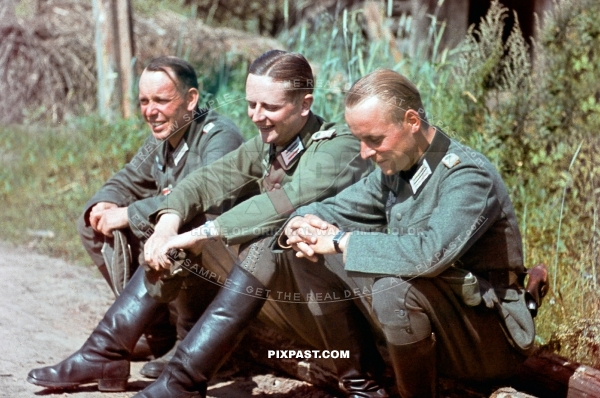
(105,217)
(309,235)
(165,238)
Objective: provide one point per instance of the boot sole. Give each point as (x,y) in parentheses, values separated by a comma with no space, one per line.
(116,385)
(151,374)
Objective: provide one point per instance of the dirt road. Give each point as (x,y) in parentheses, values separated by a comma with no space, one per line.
(49,307)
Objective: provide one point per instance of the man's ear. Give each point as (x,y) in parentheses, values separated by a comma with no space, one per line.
(307,101)
(192,98)
(412,118)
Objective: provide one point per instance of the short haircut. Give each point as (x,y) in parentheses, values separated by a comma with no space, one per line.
(183,72)
(390,87)
(283,66)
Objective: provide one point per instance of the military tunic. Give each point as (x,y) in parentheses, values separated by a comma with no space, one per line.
(424,229)
(329,162)
(322,169)
(144,183)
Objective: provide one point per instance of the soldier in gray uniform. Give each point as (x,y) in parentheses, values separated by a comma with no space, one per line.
(296,159)
(429,241)
(184,138)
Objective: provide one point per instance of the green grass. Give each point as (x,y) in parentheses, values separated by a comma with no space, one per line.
(48,174)
(538,126)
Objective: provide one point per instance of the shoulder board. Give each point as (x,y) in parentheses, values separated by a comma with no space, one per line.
(451,160)
(208,127)
(325,134)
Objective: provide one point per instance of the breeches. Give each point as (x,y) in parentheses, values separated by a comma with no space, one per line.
(471,341)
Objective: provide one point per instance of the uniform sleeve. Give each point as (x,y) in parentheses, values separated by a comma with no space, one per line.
(222,138)
(360,207)
(131,183)
(324,170)
(468,206)
(208,187)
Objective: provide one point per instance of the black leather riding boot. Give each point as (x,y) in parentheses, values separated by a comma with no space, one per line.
(342,331)
(415,367)
(104,357)
(211,340)
(159,336)
(193,299)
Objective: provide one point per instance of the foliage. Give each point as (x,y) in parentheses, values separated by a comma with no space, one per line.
(566,120)
(262,17)
(46,68)
(48,174)
(535,112)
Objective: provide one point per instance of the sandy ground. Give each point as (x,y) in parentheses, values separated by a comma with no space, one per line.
(49,307)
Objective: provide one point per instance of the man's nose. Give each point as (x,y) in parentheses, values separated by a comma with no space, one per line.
(365,151)
(150,109)
(257,114)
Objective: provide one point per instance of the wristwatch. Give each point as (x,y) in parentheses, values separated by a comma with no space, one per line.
(336,240)
(208,229)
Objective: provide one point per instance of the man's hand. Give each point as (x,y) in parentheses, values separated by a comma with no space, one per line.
(105,217)
(165,229)
(165,238)
(310,235)
(96,213)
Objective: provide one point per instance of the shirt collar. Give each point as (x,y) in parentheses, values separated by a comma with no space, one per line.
(198,115)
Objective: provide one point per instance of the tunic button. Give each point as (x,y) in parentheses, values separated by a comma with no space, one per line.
(398,216)
(401,313)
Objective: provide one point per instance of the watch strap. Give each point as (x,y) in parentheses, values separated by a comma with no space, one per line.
(336,240)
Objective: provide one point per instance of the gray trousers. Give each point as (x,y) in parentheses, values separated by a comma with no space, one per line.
(301,295)
(471,341)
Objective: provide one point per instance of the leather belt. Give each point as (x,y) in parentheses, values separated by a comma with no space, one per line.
(502,277)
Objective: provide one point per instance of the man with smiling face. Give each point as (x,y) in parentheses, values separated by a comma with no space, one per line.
(432,240)
(184,138)
(296,158)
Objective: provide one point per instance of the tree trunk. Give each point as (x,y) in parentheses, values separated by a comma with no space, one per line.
(114,54)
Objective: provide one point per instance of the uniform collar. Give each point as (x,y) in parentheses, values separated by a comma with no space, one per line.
(313,123)
(198,116)
(430,159)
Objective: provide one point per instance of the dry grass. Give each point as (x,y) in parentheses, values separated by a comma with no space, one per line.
(48,57)
(47,65)
(578,340)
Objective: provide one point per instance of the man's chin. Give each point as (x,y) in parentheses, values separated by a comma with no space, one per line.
(268,138)
(161,136)
(388,171)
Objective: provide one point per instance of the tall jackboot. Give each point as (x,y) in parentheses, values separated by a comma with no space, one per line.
(211,340)
(159,336)
(193,299)
(342,331)
(104,357)
(415,368)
